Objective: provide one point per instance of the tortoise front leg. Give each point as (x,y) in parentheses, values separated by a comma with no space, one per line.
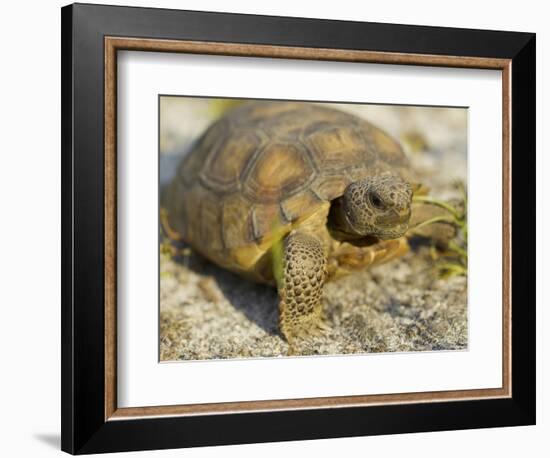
(301,286)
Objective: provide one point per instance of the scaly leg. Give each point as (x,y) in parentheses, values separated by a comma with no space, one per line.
(301,286)
(346,258)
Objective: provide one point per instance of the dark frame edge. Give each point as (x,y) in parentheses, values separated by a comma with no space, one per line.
(67,369)
(213,430)
(523,132)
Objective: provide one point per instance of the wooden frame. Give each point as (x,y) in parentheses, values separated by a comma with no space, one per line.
(91,421)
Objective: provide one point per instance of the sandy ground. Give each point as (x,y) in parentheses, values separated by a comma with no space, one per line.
(207,312)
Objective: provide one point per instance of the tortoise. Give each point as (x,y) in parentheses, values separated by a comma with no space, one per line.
(293,194)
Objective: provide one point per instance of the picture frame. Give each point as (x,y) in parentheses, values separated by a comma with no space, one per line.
(92,36)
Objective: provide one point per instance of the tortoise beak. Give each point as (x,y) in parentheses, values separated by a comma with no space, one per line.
(395,217)
(404,215)
(394,233)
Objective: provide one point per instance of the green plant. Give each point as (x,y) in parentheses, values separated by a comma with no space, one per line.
(453,260)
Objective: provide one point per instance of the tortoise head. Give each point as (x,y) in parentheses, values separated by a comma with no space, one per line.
(378,206)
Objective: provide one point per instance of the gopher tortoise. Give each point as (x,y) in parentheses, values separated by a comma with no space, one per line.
(293,195)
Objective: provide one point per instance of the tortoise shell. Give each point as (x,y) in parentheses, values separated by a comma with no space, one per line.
(264,167)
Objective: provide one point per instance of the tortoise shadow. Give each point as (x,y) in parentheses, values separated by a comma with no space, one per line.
(259,303)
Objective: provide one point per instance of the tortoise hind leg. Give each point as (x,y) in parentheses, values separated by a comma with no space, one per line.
(301,285)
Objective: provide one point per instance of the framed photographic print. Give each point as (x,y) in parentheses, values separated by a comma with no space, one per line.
(281,228)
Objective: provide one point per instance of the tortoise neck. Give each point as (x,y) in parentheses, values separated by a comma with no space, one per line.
(339,227)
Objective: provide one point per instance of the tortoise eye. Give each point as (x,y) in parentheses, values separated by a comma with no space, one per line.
(376,200)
